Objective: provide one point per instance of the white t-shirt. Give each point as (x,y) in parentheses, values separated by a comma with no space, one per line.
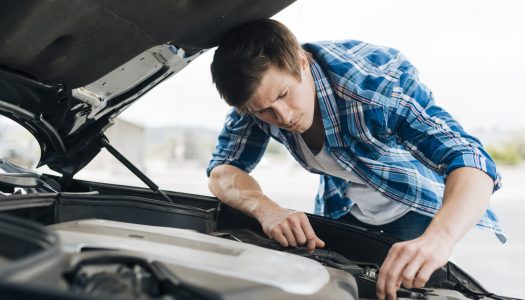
(370,206)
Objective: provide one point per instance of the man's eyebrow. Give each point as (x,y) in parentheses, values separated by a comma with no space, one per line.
(250,109)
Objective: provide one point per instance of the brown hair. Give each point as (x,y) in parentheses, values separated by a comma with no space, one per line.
(246,53)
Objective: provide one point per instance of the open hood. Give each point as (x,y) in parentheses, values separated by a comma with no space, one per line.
(69,67)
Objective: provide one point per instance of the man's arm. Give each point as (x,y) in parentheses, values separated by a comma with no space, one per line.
(434,137)
(466,197)
(241,191)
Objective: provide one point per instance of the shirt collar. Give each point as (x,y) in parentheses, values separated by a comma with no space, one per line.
(328,106)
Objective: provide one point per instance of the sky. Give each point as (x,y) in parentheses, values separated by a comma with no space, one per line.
(469,52)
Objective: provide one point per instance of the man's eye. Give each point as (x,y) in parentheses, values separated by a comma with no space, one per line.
(263,111)
(283,94)
(258,112)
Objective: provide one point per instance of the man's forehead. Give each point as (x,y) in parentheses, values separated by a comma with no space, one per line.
(272,84)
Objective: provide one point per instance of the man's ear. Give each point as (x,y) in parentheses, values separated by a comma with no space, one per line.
(303,60)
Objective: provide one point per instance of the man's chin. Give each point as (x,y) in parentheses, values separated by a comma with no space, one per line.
(300,130)
(297,129)
(293,129)
(303,129)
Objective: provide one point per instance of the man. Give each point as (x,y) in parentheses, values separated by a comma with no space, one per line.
(356,114)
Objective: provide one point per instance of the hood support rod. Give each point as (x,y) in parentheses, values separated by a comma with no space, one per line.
(105,143)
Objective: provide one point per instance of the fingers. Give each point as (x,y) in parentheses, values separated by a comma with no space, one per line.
(410,263)
(392,269)
(400,266)
(298,232)
(292,229)
(410,272)
(279,237)
(423,275)
(288,234)
(386,274)
(312,240)
(319,243)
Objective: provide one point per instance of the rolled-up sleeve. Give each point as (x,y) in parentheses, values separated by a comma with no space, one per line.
(241,143)
(431,134)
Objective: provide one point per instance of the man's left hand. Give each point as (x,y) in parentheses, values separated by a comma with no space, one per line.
(412,262)
(466,197)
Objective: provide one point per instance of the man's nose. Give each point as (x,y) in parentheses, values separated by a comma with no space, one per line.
(283,113)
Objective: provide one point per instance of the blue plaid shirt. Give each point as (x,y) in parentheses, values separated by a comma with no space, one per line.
(380,122)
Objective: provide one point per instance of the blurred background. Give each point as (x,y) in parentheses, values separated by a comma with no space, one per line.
(469,52)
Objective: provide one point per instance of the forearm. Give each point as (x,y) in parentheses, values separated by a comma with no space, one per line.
(466,197)
(239,190)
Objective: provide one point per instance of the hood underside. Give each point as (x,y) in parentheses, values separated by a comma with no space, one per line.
(75,42)
(69,67)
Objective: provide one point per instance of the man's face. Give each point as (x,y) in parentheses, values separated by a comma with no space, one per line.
(284,101)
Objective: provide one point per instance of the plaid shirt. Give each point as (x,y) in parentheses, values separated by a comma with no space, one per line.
(380,122)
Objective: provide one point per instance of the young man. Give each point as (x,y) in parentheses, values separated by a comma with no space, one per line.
(356,114)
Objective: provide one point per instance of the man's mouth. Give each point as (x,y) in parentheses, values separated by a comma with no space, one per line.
(293,123)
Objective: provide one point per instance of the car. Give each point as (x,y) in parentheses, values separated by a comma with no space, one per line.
(67,70)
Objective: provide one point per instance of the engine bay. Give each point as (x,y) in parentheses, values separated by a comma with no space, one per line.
(107,241)
(118,260)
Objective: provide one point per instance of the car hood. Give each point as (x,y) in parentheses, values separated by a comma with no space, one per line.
(68,68)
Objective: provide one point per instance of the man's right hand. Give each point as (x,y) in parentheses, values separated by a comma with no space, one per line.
(239,190)
(289,228)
